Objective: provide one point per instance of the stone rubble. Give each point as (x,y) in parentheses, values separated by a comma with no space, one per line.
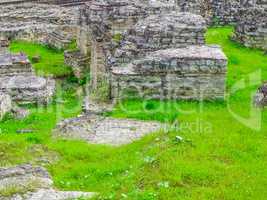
(251,27)
(52,25)
(18,80)
(33,183)
(97,129)
(146,29)
(28,89)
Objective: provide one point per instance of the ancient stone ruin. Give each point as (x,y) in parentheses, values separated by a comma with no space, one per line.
(18,80)
(251,28)
(51,25)
(33,183)
(5,105)
(97,129)
(160,54)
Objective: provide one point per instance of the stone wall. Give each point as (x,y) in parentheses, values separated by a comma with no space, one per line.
(28,89)
(218,12)
(152,48)
(17,79)
(100,21)
(251,28)
(13,64)
(182,73)
(47,24)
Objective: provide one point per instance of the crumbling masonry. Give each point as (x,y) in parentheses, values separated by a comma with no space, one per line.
(150,49)
(251,28)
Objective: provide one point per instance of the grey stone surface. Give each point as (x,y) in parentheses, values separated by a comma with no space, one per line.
(28,88)
(104,130)
(52,25)
(5,104)
(13,64)
(251,27)
(33,183)
(193,72)
(148,28)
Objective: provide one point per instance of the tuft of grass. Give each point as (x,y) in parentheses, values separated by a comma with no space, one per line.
(51,60)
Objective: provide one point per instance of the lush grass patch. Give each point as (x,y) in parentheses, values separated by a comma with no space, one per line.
(51,60)
(220,157)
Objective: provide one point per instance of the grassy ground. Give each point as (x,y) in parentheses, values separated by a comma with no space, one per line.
(51,62)
(220,157)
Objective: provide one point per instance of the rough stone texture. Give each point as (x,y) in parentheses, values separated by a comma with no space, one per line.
(63,3)
(251,28)
(193,72)
(13,64)
(125,33)
(5,104)
(28,89)
(52,25)
(78,61)
(104,130)
(218,12)
(18,80)
(35,184)
(101,20)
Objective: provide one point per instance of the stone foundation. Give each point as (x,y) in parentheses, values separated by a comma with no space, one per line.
(251,28)
(194,72)
(28,89)
(12,64)
(51,25)
(151,49)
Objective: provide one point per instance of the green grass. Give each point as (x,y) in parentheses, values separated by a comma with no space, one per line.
(220,157)
(51,62)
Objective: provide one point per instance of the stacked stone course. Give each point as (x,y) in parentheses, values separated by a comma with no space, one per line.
(251,28)
(17,79)
(217,12)
(51,25)
(160,54)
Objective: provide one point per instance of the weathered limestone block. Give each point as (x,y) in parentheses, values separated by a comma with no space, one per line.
(12,64)
(102,19)
(33,183)
(5,104)
(193,72)
(97,129)
(157,32)
(251,28)
(147,29)
(218,12)
(52,25)
(28,88)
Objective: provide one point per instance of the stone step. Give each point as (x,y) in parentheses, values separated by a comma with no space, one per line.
(26,89)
